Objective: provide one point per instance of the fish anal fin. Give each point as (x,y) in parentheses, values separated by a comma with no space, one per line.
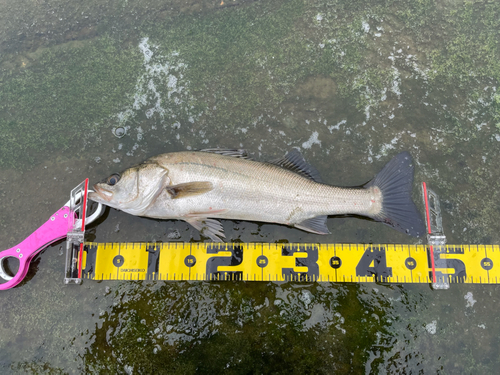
(234,152)
(295,162)
(189,189)
(210,228)
(315,224)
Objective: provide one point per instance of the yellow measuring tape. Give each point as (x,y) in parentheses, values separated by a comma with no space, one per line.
(478,264)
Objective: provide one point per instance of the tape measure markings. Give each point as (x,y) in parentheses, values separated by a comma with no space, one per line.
(290,262)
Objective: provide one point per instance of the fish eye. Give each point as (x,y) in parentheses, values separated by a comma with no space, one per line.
(113,179)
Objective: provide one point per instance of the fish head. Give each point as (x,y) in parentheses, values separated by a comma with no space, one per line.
(133,190)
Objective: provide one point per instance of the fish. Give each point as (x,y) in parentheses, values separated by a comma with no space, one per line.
(201,187)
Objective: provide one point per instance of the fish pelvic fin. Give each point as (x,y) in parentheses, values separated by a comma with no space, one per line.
(398,210)
(210,228)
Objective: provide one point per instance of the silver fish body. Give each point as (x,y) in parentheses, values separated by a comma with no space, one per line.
(201,187)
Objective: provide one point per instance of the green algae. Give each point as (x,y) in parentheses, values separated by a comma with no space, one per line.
(466,64)
(61,96)
(471,50)
(237,328)
(496,108)
(239,60)
(245,60)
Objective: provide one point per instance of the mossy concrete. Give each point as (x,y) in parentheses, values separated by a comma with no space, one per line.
(246,60)
(58,95)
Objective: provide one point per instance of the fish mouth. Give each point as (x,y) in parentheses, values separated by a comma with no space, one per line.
(102,193)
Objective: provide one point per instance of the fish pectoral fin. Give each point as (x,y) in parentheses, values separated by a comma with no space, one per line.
(189,189)
(295,162)
(314,225)
(234,152)
(210,228)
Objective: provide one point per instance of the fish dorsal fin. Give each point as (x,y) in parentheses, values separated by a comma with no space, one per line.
(189,189)
(235,153)
(295,162)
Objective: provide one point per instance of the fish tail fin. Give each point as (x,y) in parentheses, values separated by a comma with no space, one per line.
(395,182)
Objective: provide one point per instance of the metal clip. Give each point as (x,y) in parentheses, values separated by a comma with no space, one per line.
(435,237)
(76,234)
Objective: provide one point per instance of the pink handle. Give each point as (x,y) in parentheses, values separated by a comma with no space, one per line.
(54,229)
